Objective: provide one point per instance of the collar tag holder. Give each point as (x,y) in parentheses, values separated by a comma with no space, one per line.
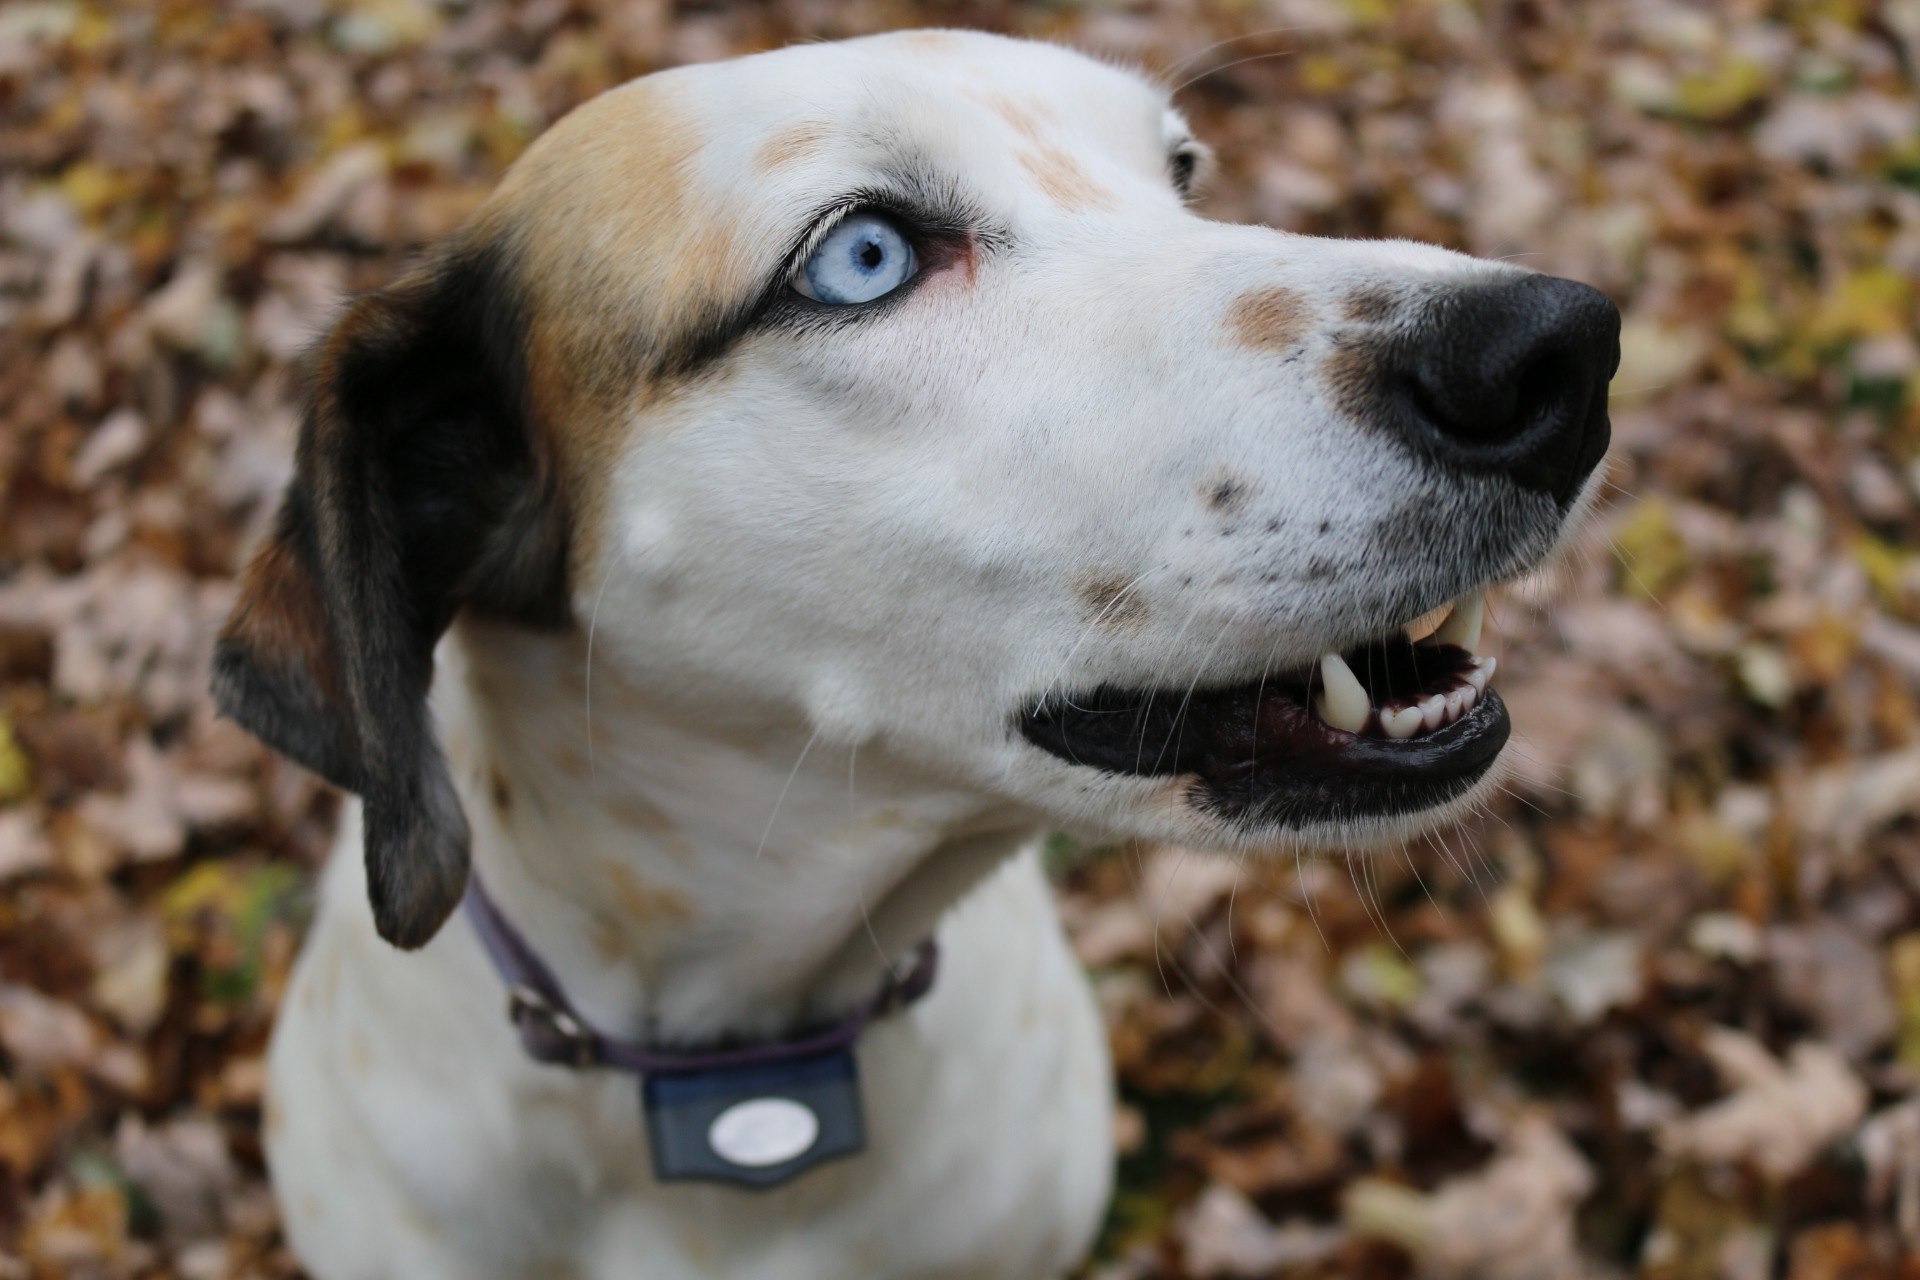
(757,1125)
(753,1114)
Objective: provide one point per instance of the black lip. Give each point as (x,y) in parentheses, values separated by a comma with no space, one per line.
(1259,757)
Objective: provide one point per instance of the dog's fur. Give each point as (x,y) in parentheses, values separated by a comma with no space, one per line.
(741,597)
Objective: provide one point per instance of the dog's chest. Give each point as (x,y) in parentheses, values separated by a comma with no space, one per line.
(988,1114)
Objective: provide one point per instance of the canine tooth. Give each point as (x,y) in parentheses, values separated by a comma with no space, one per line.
(1401,723)
(1433,711)
(1462,626)
(1343,701)
(1491,665)
(1427,623)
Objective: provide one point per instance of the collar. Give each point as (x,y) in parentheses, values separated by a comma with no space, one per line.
(551,1030)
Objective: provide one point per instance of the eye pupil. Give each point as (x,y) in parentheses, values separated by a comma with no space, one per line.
(1183,165)
(865,256)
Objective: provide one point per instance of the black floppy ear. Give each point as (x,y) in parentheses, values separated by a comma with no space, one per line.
(419,488)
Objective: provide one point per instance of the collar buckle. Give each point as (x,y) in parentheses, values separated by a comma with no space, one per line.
(552,1034)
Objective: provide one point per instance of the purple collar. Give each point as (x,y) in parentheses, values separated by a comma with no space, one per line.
(552,1030)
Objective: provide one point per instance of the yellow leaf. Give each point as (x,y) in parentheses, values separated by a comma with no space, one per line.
(1321,74)
(1652,557)
(1869,302)
(211,887)
(1517,929)
(14,778)
(90,187)
(1885,566)
(1720,93)
(1903,967)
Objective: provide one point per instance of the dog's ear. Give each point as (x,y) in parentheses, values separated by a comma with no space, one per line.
(420,488)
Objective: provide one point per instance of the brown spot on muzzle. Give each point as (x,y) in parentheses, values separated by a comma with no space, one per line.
(1369,304)
(1270,319)
(1354,377)
(1224,493)
(1111,602)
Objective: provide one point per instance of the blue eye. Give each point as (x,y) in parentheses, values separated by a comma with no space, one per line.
(863,257)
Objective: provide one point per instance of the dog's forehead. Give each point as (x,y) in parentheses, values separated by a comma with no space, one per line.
(643,218)
(750,134)
(927,88)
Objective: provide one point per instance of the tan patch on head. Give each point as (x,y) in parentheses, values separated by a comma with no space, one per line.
(1062,180)
(625,258)
(790,145)
(276,1119)
(1111,602)
(943,42)
(1369,304)
(643,903)
(1027,118)
(1271,319)
(498,789)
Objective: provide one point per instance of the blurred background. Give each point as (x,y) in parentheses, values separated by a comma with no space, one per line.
(1659,1015)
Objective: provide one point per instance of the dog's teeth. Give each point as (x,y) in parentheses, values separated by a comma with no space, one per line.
(1468,697)
(1477,676)
(1462,626)
(1433,711)
(1343,701)
(1401,723)
(1427,623)
(1456,702)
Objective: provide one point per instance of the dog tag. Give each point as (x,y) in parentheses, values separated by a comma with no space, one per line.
(756,1126)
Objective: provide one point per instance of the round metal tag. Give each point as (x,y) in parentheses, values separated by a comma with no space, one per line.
(763,1131)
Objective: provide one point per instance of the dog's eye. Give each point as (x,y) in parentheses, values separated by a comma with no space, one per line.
(1181,166)
(865,256)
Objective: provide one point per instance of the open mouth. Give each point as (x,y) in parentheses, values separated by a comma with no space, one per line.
(1398,725)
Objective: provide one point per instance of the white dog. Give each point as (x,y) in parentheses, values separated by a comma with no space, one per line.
(830,468)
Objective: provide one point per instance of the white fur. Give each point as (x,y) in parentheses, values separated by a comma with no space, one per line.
(829,573)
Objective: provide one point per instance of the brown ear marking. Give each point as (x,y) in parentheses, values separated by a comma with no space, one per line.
(420,488)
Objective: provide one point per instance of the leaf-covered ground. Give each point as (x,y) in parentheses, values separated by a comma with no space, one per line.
(1658,1014)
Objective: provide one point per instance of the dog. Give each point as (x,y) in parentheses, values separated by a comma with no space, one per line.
(805,479)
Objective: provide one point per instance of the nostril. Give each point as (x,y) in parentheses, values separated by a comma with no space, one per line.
(1549,382)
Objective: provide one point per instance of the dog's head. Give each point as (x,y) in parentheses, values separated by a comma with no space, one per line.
(891,386)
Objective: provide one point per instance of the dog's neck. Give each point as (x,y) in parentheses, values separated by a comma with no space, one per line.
(684,882)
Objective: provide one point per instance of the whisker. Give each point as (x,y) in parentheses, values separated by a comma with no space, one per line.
(782,797)
(1227,66)
(1192,58)
(593,623)
(1306,896)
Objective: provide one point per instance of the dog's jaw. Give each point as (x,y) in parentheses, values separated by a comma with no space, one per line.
(714,880)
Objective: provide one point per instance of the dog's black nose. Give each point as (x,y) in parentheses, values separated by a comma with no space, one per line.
(1512,378)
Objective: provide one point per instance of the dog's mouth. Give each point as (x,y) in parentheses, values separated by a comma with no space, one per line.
(1399,725)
